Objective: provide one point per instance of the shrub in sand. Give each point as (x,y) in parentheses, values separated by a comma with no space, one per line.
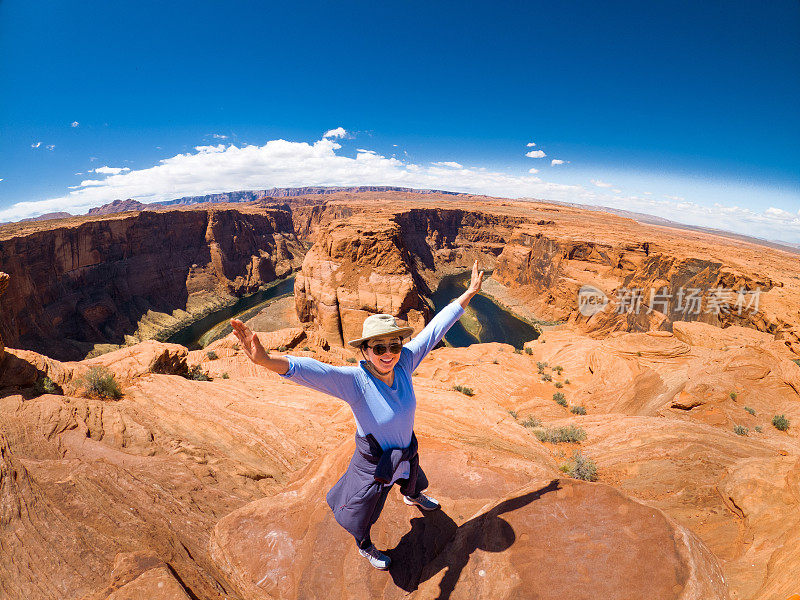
(99,381)
(780,422)
(558,435)
(580,467)
(197,374)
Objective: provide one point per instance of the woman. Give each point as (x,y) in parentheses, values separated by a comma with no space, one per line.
(381,395)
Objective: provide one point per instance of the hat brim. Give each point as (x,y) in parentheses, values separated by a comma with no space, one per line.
(403,332)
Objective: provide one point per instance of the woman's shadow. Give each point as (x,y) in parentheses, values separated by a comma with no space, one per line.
(418,556)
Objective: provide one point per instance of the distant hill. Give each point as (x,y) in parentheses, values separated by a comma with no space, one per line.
(118,206)
(654,220)
(251,195)
(47,217)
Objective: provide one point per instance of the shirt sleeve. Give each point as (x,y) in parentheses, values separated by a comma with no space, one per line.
(434,331)
(341,382)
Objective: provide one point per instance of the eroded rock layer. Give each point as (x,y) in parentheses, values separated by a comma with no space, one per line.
(216,489)
(92,282)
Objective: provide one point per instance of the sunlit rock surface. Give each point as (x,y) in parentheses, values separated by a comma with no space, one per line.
(216,489)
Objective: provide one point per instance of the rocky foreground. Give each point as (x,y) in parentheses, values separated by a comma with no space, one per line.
(215,489)
(212,489)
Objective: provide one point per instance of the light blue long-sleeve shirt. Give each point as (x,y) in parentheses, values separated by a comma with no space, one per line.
(387,412)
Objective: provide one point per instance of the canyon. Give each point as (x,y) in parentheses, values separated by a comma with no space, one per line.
(184,488)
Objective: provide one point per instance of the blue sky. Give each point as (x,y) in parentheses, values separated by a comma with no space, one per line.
(687,110)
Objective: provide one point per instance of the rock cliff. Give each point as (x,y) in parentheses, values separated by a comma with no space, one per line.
(95,281)
(215,489)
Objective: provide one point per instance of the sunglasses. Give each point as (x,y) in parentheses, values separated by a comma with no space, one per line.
(379,349)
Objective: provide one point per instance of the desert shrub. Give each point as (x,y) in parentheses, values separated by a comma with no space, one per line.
(99,381)
(560,399)
(547,377)
(197,374)
(732,395)
(513,413)
(236,346)
(580,467)
(566,381)
(638,353)
(739,430)
(45,385)
(306,349)
(496,362)
(226,376)
(796,361)
(351,359)
(578,410)
(752,411)
(517,351)
(467,391)
(780,422)
(540,366)
(528,351)
(531,422)
(281,348)
(558,384)
(212,355)
(758,428)
(558,369)
(558,435)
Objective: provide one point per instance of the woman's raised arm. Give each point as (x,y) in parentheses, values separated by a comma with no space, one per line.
(339,382)
(255,351)
(434,331)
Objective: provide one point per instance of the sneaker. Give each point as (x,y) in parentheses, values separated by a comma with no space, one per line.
(422,501)
(376,558)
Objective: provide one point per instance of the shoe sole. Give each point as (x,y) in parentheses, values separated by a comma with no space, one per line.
(386,568)
(412,503)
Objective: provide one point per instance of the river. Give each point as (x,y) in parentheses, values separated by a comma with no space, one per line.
(483,321)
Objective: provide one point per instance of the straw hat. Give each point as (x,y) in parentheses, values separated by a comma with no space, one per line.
(379,326)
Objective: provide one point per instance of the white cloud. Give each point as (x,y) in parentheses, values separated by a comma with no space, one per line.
(219,136)
(616,191)
(281,163)
(109,170)
(556,161)
(533,170)
(339,132)
(36,144)
(648,193)
(675,198)
(449,163)
(531,144)
(780,213)
(535,154)
(602,184)
(1,179)
(74,124)
(50,146)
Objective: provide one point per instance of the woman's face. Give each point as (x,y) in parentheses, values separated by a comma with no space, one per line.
(386,361)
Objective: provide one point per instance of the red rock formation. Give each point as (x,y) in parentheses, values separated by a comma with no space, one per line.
(118,206)
(215,489)
(3,285)
(91,282)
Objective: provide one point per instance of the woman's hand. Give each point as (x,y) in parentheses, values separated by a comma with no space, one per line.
(249,341)
(475,282)
(474,286)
